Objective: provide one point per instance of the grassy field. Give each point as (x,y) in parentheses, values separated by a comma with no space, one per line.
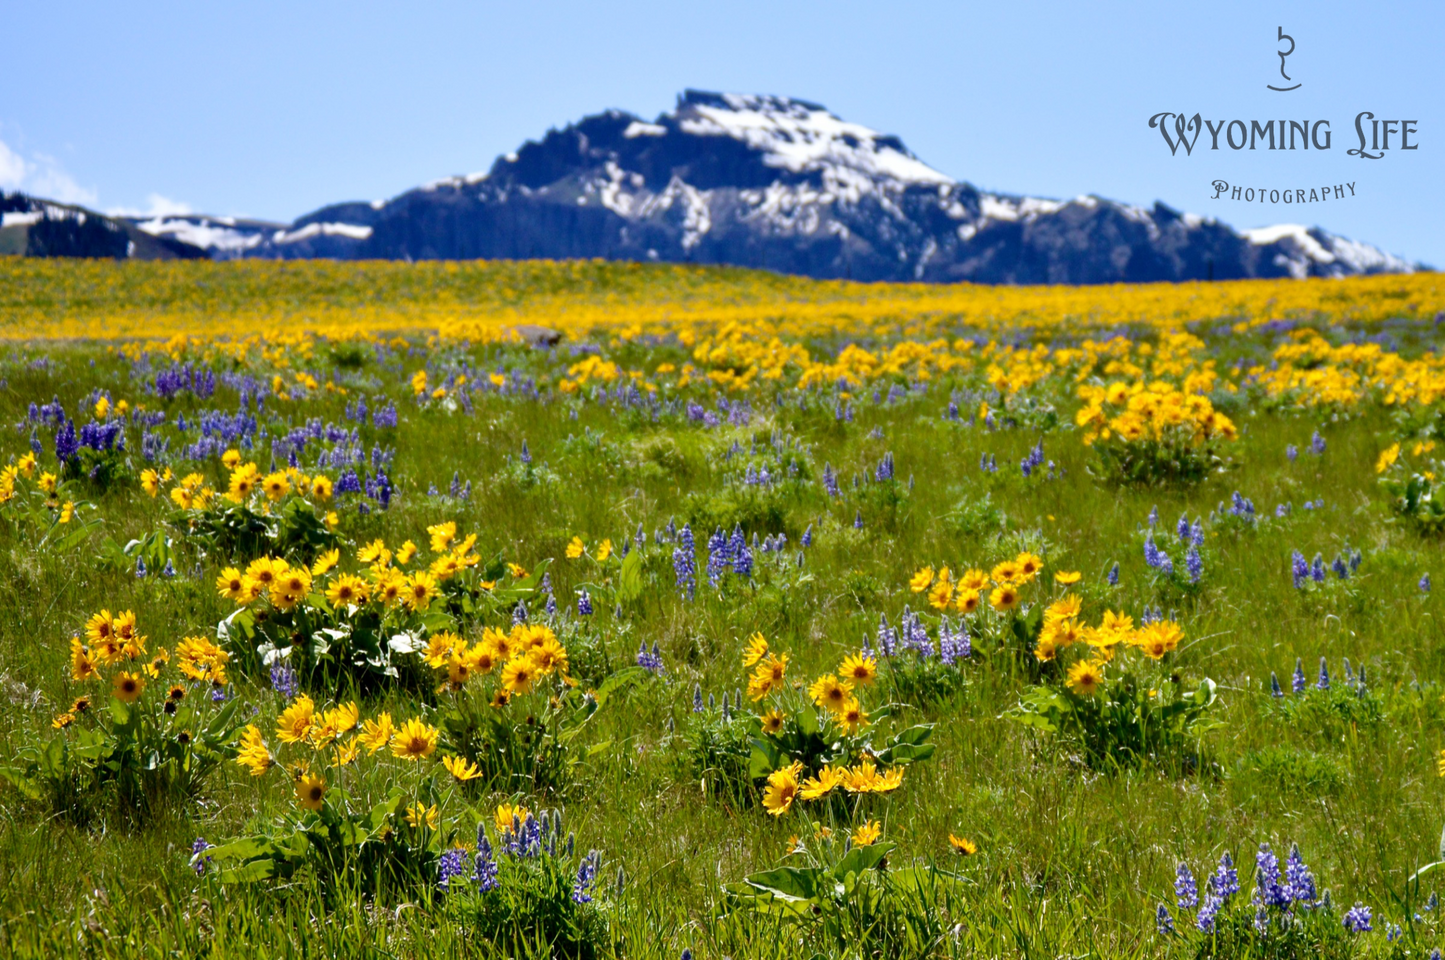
(888,434)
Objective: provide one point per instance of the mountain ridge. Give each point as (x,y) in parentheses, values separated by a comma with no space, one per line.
(781,184)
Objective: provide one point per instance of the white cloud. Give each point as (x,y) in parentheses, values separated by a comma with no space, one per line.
(12,168)
(158,206)
(42,176)
(47,179)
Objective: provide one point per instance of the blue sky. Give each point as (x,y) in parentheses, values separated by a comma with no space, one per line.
(274,109)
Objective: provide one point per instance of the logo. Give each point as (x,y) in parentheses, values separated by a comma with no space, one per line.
(1282,54)
(1377,138)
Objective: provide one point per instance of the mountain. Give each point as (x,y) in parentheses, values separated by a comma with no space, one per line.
(33,227)
(780,184)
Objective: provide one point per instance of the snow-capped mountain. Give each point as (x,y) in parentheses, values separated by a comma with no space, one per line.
(782,184)
(33,227)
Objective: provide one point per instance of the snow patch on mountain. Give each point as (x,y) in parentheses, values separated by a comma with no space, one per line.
(208,233)
(798,136)
(350,231)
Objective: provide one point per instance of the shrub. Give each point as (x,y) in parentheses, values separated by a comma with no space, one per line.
(166,724)
(1152,434)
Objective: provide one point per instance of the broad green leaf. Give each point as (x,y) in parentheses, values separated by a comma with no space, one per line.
(790,883)
(629,579)
(863,858)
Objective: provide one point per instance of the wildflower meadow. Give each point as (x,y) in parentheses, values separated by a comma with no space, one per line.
(610,610)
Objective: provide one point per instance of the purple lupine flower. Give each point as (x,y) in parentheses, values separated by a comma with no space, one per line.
(485,871)
(1183,530)
(519,613)
(1268,891)
(1323,683)
(1204,920)
(684,562)
(1299,569)
(742,556)
(348,482)
(807,538)
(586,874)
(1297,682)
(1153,516)
(384,416)
(858,520)
(67,446)
(584,603)
(198,862)
(526,454)
(697,698)
(886,638)
(1317,444)
(1163,922)
(451,864)
(1194,563)
(1317,569)
(830,481)
(1290,452)
(1300,882)
(1425,583)
(1225,879)
(1186,893)
(649,660)
(1114,575)
(1274,688)
(283,680)
(718,556)
(1357,919)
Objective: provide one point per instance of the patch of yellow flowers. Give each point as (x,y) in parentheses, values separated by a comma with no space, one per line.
(335,737)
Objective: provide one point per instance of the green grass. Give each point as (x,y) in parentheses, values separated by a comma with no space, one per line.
(1071,862)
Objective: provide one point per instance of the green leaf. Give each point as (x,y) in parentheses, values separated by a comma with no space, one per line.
(620,680)
(253,872)
(788,883)
(120,712)
(629,579)
(863,858)
(913,735)
(245,848)
(765,758)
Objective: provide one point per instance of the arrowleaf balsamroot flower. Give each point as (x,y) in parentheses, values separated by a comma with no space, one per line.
(310,791)
(868,833)
(857,668)
(127,687)
(830,692)
(415,740)
(962,846)
(253,754)
(757,649)
(1085,678)
(782,788)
